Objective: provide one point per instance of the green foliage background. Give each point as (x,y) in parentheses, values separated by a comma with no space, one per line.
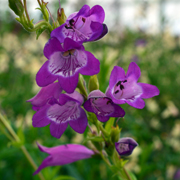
(156,128)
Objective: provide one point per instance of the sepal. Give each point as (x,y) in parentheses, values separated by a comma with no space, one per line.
(93,83)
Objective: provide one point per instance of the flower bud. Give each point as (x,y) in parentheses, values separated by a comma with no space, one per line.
(61,17)
(16,6)
(115,132)
(82,85)
(93,83)
(125,146)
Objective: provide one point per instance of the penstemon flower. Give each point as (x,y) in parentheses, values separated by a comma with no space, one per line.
(65,62)
(125,146)
(102,106)
(124,88)
(61,112)
(63,154)
(66,59)
(47,94)
(85,25)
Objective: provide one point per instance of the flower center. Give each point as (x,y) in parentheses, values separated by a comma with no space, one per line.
(102,106)
(78,29)
(69,52)
(127,90)
(67,63)
(62,114)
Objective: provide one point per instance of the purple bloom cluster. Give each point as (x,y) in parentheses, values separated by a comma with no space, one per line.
(59,104)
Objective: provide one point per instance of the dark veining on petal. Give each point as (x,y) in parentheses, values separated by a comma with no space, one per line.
(62,114)
(102,106)
(68,63)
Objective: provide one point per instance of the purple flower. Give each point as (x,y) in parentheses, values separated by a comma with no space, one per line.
(61,112)
(47,94)
(125,88)
(64,154)
(65,62)
(125,146)
(85,25)
(141,42)
(177,175)
(102,106)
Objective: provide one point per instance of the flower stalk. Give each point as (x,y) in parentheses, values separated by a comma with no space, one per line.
(22,147)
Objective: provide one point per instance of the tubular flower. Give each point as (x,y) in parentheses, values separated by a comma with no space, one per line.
(65,62)
(102,106)
(64,154)
(125,88)
(85,25)
(125,146)
(61,112)
(47,94)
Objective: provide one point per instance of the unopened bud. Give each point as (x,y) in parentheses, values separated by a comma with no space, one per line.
(115,132)
(93,83)
(61,17)
(82,86)
(16,6)
(125,146)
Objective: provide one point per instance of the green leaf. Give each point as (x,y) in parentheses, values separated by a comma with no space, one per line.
(109,124)
(96,139)
(40,31)
(65,178)
(131,175)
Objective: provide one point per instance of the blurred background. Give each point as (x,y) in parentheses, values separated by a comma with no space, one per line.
(146,32)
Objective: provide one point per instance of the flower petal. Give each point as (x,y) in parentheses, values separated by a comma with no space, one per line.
(97,14)
(92,67)
(57,130)
(133,70)
(44,77)
(40,118)
(97,29)
(57,33)
(88,106)
(70,44)
(148,90)
(79,125)
(137,103)
(69,84)
(84,11)
(53,45)
(103,33)
(118,111)
(63,154)
(45,93)
(103,118)
(117,74)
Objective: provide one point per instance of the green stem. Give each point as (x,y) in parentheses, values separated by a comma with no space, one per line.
(128,176)
(41,23)
(27,15)
(23,148)
(105,133)
(39,3)
(105,160)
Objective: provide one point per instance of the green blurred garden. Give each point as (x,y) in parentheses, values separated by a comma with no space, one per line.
(156,128)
